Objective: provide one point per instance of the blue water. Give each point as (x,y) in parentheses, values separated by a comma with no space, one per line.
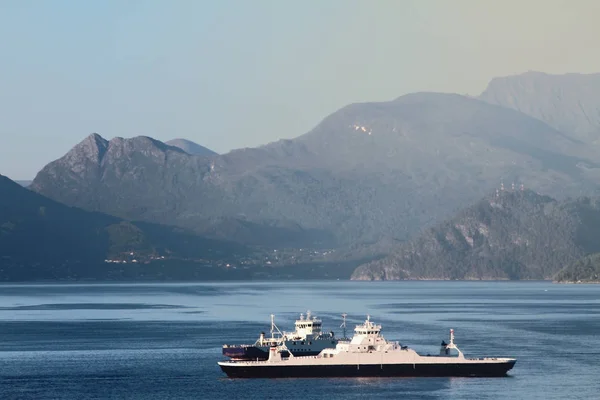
(162,341)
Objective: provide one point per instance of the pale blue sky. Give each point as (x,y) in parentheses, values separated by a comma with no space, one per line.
(229,74)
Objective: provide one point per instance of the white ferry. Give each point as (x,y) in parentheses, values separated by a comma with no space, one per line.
(368,354)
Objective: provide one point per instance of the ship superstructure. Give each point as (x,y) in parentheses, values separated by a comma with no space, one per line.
(306,339)
(369,354)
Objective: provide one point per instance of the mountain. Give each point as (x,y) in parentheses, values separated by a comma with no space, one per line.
(43,239)
(570,103)
(190,147)
(508,235)
(584,270)
(24,183)
(367,172)
(144,179)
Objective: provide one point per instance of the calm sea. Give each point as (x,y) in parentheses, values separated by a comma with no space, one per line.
(162,341)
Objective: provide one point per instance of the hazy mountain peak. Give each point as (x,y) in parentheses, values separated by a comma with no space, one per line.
(190,147)
(140,143)
(95,137)
(96,140)
(92,148)
(567,102)
(85,163)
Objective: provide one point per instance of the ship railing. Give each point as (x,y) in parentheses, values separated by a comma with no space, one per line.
(241,346)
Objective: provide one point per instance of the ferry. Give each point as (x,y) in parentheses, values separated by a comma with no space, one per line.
(369,354)
(306,340)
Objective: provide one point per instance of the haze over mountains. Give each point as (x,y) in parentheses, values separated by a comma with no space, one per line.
(190,147)
(369,175)
(569,103)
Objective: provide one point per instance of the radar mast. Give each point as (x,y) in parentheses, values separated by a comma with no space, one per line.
(343,326)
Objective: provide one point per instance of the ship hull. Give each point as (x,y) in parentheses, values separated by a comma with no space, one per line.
(495,369)
(246,353)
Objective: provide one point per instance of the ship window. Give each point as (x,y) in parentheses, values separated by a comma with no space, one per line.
(293,342)
(309,343)
(332,342)
(302,343)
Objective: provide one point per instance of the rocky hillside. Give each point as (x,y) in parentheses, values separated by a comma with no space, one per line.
(144,179)
(43,239)
(569,102)
(367,172)
(509,235)
(190,147)
(584,270)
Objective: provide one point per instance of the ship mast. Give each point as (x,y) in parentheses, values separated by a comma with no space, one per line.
(451,345)
(274,327)
(343,326)
(272,324)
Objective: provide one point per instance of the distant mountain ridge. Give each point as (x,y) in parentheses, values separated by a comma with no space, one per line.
(190,147)
(568,102)
(154,177)
(367,172)
(512,235)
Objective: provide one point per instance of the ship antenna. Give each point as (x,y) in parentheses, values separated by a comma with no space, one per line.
(274,327)
(344,324)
